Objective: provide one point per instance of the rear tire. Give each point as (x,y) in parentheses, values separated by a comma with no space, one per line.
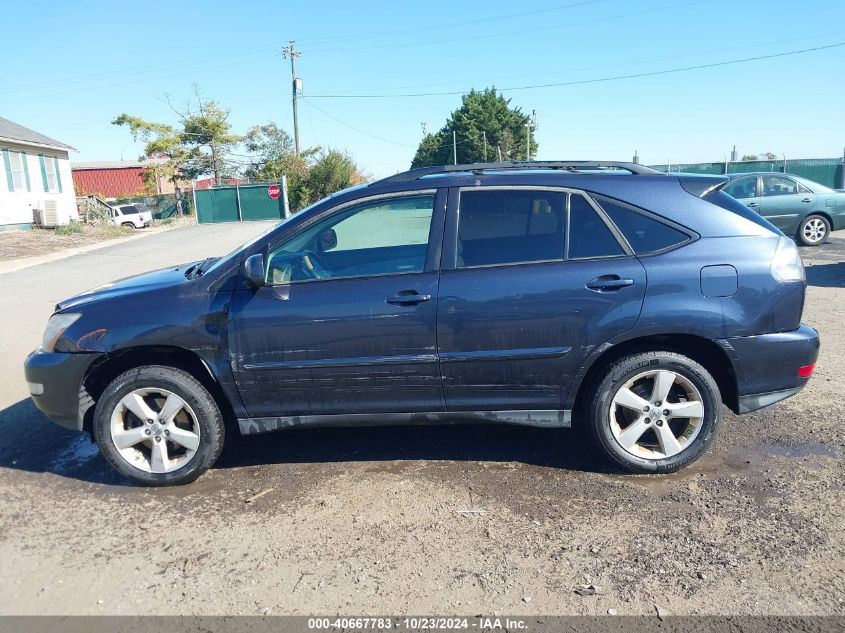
(158,426)
(654,412)
(813,230)
(129,224)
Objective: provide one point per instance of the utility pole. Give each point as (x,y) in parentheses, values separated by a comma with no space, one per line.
(455,146)
(290,51)
(499,148)
(532,121)
(485,145)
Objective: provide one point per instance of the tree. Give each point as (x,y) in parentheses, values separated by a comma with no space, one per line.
(481,113)
(274,157)
(766,156)
(332,171)
(197,145)
(311,175)
(160,141)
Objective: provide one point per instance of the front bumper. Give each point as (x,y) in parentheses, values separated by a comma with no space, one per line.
(766,366)
(55,384)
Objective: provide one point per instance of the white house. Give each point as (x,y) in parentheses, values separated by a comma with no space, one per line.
(36,185)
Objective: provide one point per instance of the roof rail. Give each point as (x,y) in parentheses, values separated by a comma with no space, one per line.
(480,168)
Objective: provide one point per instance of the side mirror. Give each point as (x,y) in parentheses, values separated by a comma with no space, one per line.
(254,270)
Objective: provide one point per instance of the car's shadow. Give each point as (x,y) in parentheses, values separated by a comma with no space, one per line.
(826,275)
(34,444)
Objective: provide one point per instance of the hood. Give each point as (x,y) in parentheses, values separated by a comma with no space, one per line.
(144,282)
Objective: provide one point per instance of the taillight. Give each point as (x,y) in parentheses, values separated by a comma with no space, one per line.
(806,371)
(786,263)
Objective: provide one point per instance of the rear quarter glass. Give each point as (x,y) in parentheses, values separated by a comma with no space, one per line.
(721,199)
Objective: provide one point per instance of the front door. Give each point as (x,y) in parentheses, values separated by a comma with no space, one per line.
(533,279)
(785,202)
(346,322)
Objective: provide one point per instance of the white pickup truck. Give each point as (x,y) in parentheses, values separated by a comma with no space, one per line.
(131,215)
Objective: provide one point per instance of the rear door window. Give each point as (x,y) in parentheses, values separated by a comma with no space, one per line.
(779,186)
(645,234)
(510,226)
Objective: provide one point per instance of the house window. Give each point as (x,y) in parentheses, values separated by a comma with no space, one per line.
(16,167)
(51,174)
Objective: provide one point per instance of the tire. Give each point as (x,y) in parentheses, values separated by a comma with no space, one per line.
(813,230)
(129,224)
(610,412)
(191,437)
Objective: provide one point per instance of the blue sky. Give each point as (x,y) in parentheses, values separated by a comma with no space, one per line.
(93,60)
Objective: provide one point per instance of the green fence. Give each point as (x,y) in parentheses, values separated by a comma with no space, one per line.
(827,171)
(237,204)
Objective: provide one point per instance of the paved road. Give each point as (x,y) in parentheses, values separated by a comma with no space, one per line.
(28,296)
(370,520)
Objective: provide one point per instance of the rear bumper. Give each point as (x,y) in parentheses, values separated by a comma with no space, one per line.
(55,384)
(766,366)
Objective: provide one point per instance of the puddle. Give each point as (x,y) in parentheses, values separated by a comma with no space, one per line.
(78,453)
(735,462)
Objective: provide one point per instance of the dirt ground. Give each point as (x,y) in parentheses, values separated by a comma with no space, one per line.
(17,244)
(374,521)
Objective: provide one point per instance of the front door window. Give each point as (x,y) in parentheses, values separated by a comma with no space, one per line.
(383,237)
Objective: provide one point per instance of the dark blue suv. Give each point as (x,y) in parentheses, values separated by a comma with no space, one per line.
(546,294)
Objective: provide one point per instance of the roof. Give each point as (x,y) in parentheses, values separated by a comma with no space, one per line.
(11,131)
(117,164)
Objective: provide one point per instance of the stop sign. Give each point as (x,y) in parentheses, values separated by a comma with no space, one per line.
(274,191)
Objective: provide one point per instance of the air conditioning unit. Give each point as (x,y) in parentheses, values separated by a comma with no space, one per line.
(48,213)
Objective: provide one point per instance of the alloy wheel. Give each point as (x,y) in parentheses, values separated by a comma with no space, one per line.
(155,430)
(656,414)
(814,230)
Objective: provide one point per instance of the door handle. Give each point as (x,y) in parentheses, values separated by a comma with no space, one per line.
(407,298)
(753,204)
(807,200)
(608,283)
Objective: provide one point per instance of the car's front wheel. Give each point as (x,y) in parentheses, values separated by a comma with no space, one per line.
(158,426)
(813,230)
(654,412)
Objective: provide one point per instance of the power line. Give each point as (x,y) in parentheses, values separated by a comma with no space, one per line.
(586,81)
(440,27)
(485,36)
(374,136)
(352,127)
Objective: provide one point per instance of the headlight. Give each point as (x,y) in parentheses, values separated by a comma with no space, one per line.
(786,263)
(56,326)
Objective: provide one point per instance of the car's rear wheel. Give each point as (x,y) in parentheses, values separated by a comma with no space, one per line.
(158,426)
(813,230)
(654,412)
(129,225)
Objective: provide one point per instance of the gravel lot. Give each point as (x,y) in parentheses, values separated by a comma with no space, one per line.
(370,521)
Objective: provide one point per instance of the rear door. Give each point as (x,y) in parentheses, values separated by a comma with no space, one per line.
(785,202)
(533,279)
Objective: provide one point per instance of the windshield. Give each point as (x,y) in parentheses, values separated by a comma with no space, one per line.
(263,234)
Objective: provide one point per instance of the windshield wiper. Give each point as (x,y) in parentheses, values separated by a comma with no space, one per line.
(198,269)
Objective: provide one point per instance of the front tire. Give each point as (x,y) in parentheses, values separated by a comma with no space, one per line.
(654,412)
(813,230)
(158,426)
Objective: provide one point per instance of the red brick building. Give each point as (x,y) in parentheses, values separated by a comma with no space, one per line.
(115,179)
